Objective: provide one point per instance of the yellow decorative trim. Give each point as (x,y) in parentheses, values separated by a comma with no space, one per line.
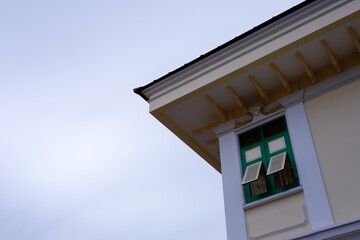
(331,55)
(263,94)
(283,80)
(269,111)
(354,38)
(306,66)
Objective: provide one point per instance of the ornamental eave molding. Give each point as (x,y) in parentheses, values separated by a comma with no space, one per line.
(241,47)
(260,114)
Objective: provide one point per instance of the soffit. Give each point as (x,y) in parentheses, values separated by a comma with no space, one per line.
(247,52)
(193,117)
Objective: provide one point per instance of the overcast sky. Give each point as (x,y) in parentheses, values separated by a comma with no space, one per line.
(80,156)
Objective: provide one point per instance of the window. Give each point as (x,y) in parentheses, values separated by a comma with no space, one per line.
(267,161)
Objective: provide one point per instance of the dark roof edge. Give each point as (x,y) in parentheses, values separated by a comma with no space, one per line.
(247,33)
(140,89)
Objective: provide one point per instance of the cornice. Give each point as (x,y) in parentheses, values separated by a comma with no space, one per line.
(240,47)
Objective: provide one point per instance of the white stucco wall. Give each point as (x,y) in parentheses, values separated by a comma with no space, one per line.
(334,120)
(279,219)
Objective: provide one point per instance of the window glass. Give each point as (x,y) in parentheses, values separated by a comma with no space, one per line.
(274,127)
(250,137)
(259,186)
(253,154)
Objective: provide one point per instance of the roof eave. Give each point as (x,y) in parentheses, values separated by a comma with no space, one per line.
(140,90)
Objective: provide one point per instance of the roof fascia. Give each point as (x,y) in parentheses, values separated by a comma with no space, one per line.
(247,39)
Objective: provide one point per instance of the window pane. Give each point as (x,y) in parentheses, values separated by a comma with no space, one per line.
(250,138)
(274,128)
(284,177)
(276,144)
(253,154)
(259,186)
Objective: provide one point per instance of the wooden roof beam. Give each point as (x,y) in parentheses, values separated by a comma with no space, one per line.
(281,77)
(219,111)
(331,55)
(354,38)
(238,99)
(203,129)
(212,141)
(263,94)
(306,66)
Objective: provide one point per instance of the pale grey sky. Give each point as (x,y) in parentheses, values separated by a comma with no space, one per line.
(80,156)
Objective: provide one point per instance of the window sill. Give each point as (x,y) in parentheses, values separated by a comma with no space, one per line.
(273,198)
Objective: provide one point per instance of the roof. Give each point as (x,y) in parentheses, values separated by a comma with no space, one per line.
(219,48)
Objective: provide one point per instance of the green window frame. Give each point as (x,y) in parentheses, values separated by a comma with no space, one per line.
(267,144)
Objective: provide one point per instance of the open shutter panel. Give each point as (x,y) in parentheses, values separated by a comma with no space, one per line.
(252,173)
(277,163)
